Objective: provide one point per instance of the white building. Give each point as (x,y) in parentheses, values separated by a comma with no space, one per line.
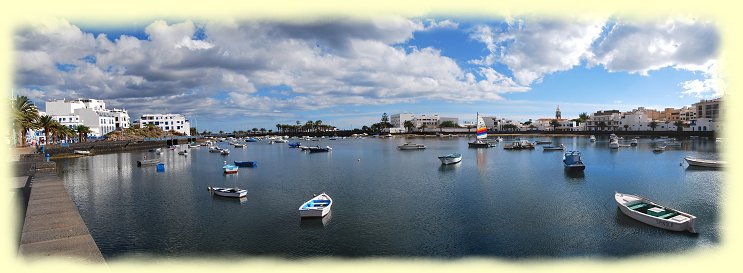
(167,122)
(431,121)
(604,121)
(89,112)
(398,120)
(636,120)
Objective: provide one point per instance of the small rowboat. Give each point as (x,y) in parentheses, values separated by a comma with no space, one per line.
(228,168)
(228,192)
(81,152)
(696,162)
(147,162)
(319,149)
(649,212)
(451,158)
(554,148)
(411,146)
(318,206)
(246,163)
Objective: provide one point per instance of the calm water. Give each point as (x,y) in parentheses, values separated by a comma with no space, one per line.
(391,203)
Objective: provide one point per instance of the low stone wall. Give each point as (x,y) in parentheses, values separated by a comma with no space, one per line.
(101,147)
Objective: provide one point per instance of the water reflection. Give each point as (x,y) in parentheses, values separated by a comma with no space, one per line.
(315,223)
(448,167)
(574,175)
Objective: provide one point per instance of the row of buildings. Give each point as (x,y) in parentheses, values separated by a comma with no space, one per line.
(701,116)
(101,120)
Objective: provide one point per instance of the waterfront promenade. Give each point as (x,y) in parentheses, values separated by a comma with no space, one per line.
(52,226)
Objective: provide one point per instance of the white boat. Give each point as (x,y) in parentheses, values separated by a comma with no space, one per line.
(214,149)
(319,149)
(673,143)
(193,146)
(318,206)
(147,162)
(184,152)
(228,192)
(651,213)
(224,152)
(614,144)
(634,142)
(280,140)
(451,158)
(696,162)
(659,149)
(81,152)
(592,138)
(554,148)
(238,145)
(481,134)
(158,151)
(411,146)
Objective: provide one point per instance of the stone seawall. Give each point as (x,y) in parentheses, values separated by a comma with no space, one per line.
(101,147)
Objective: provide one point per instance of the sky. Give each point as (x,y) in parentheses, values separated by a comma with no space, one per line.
(238,74)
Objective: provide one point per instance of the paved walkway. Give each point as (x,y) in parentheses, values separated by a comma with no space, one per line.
(53,226)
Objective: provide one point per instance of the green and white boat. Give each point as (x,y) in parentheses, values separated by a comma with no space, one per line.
(651,213)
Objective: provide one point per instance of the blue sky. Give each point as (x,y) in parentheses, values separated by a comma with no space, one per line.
(239,74)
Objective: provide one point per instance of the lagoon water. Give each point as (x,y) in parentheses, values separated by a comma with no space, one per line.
(390,203)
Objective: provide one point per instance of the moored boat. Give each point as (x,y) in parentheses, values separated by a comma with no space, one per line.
(519,145)
(573,161)
(295,144)
(707,163)
(224,152)
(193,146)
(634,142)
(451,158)
(481,135)
(543,142)
(651,213)
(318,206)
(251,139)
(239,145)
(659,149)
(184,152)
(228,192)
(554,148)
(82,152)
(229,168)
(214,149)
(411,146)
(246,163)
(147,162)
(592,138)
(614,144)
(317,149)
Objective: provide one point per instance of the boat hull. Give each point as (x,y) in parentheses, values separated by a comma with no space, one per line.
(228,192)
(479,145)
(668,224)
(703,163)
(147,162)
(246,163)
(317,207)
(446,160)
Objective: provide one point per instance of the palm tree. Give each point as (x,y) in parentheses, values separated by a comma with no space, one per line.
(602,125)
(582,117)
(653,124)
(409,125)
(67,133)
(82,132)
(679,125)
(626,127)
(278,127)
(25,116)
(46,122)
(318,125)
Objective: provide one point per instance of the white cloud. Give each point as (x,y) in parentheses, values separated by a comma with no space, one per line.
(647,46)
(537,48)
(323,63)
(700,88)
